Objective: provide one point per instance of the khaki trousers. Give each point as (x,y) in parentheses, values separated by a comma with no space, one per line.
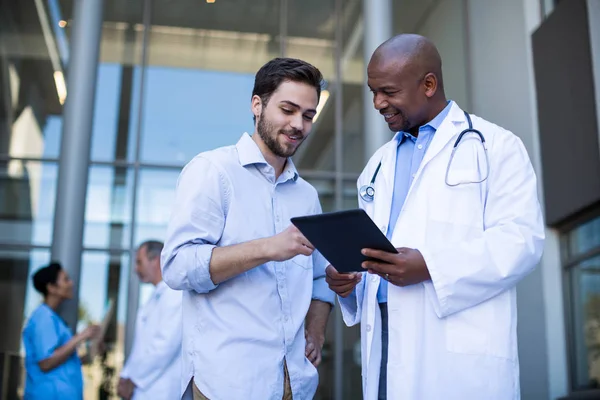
(287,389)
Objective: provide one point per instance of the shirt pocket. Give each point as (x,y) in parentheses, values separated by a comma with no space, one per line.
(304,262)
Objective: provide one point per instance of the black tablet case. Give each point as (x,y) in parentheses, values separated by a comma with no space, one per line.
(340,237)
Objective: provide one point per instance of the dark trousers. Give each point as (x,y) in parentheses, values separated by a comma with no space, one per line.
(384,352)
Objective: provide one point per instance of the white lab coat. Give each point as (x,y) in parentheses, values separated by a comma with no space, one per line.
(454,337)
(154,364)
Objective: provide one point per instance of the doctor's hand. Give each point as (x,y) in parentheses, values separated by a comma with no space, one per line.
(288,244)
(341,284)
(403,269)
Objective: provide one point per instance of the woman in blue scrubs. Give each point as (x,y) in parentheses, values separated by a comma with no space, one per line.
(51,360)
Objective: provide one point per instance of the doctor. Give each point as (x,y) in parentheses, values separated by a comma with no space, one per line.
(438,319)
(153,369)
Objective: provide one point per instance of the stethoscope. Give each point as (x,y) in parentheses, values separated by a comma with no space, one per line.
(367,192)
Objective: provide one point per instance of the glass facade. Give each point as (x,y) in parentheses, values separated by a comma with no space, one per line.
(581,247)
(174,79)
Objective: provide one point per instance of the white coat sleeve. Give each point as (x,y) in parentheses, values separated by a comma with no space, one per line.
(467,274)
(164,346)
(196,225)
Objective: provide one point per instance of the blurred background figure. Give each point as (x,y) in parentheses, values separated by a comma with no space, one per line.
(52,363)
(153,369)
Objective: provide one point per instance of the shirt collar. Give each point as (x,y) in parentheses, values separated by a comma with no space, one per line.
(290,172)
(248,151)
(250,154)
(438,119)
(433,124)
(159,289)
(160,286)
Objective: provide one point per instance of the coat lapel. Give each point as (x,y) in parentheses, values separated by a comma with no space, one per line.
(384,189)
(447,131)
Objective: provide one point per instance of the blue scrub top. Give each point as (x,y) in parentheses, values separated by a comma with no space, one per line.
(45,332)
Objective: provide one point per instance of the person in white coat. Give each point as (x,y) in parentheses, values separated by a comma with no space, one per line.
(153,369)
(439,318)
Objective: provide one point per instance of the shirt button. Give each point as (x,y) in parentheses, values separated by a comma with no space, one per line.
(413,175)
(420,146)
(285,319)
(373,278)
(383,228)
(368,328)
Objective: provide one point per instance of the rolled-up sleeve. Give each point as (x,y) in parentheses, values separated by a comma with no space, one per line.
(196,225)
(321,290)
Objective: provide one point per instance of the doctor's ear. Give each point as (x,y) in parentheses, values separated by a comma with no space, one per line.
(430,81)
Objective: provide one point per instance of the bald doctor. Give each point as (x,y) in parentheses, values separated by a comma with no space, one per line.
(439,319)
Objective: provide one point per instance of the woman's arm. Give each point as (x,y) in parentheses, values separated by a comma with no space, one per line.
(60,355)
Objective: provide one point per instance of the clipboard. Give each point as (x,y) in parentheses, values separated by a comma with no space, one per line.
(340,237)
(95,343)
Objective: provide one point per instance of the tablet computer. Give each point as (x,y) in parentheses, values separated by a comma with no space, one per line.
(340,237)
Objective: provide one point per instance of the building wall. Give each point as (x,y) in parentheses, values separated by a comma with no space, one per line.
(487,63)
(502,90)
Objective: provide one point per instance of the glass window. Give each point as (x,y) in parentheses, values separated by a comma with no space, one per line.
(32,82)
(115,112)
(350,195)
(104,277)
(585,288)
(581,247)
(155,199)
(313,42)
(584,238)
(118,84)
(27,197)
(108,207)
(326,190)
(187,111)
(16,289)
(200,75)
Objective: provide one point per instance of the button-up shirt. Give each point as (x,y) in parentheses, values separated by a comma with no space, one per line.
(409,155)
(238,333)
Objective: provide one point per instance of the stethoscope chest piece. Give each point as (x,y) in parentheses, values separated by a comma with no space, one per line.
(367,193)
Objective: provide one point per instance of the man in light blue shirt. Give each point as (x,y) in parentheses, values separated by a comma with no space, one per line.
(255,302)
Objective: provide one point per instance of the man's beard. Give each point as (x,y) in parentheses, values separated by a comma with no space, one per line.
(268,135)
